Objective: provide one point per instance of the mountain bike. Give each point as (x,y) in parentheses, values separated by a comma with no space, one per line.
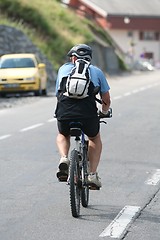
(78,172)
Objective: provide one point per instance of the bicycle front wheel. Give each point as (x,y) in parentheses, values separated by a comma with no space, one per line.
(85,196)
(74,183)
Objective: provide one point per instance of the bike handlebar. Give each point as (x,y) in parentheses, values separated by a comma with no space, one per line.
(100,114)
(108,115)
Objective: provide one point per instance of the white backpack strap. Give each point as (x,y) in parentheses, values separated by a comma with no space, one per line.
(81,66)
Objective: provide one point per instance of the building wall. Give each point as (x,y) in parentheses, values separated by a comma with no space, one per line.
(134,22)
(119,28)
(134,48)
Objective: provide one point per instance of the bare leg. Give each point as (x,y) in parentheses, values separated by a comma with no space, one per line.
(94,152)
(63,144)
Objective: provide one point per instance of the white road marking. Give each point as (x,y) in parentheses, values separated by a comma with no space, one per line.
(155,84)
(52,120)
(142,88)
(31,127)
(136,91)
(5,136)
(148,86)
(119,225)
(117,97)
(154,180)
(127,94)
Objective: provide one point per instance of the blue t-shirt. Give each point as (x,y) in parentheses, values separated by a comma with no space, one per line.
(96,75)
(70,108)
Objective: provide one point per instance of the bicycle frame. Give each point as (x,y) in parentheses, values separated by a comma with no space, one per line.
(80,147)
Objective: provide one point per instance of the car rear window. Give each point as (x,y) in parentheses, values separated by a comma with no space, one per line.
(17,63)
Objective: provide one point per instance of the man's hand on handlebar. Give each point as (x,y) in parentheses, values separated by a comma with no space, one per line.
(107,114)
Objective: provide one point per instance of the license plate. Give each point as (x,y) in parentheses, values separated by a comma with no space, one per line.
(11,85)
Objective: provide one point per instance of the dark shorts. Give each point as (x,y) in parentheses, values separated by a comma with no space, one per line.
(90,126)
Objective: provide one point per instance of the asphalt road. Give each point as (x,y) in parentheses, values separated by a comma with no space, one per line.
(35,206)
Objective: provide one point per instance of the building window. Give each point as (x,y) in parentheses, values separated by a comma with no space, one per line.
(149,36)
(130,34)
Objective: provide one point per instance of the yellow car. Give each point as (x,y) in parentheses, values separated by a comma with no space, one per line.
(22,73)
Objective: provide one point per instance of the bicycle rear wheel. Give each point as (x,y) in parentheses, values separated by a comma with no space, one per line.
(85,188)
(75,184)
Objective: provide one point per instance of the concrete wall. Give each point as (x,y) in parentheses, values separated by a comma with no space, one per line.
(15,41)
(105,58)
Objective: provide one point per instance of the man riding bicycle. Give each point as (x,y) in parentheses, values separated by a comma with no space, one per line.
(82,110)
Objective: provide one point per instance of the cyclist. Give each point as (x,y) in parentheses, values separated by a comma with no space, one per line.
(82,110)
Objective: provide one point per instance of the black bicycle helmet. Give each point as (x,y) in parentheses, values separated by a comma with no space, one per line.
(81,51)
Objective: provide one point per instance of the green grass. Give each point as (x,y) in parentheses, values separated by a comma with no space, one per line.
(50,26)
(53,28)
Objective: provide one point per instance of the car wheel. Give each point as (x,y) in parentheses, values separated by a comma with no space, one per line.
(44,92)
(2,94)
(38,93)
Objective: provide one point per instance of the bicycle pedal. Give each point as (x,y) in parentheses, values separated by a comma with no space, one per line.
(62,177)
(93,187)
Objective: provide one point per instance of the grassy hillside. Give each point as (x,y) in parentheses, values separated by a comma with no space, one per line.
(50,26)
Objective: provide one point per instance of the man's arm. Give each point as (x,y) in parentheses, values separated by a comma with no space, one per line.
(106,101)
